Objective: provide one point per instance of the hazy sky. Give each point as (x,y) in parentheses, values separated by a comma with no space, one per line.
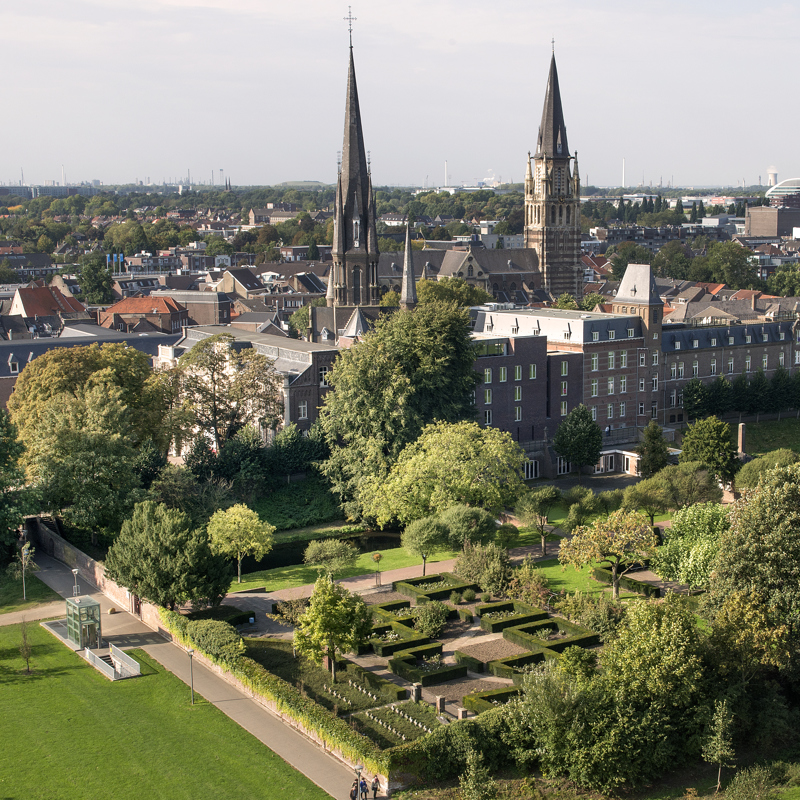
(695,92)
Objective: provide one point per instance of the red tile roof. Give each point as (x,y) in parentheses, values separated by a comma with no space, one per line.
(47,301)
(146,305)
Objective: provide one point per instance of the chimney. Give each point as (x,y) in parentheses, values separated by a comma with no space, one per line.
(753,302)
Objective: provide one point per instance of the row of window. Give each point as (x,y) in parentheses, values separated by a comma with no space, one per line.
(503,372)
(676,369)
(748,339)
(611,334)
(487,415)
(623,360)
(623,385)
(487,395)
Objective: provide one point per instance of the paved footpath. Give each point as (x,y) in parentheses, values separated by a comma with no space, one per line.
(126,631)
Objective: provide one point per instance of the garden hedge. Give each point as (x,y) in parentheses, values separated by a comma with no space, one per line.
(471,663)
(496,625)
(410,587)
(526,636)
(385,687)
(480,702)
(288,549)
(509,666)
(406,667)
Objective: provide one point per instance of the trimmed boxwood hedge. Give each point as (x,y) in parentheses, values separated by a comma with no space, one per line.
(385,687)
(503,605)
(496,625)
(465,615)
(471,663)
(480,702)
(526,635)
(509,666)
(409,587)
(406,667)
(631,584)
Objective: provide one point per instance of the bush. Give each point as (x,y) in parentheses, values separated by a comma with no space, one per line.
(468,595)
(598,614)
(486,565)
(755,783)
(288,612)
(431,618)
(507,535)
(528,584)
(455,598)
(485,597)
(218,640)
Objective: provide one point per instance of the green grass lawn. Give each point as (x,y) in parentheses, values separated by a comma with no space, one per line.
(69,733)
(763,437)
(530,536)
(558,516)
(37,594)
(569,579)
(300,574)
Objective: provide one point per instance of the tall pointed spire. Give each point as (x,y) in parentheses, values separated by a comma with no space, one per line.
(408,289)
(552,139)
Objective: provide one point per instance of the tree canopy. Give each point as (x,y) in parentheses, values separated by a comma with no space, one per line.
(237,532)
(534,506)
(451,290)
(709,442)
(15,500)
(423,537)
(652,451)
(579,438)
(450,464)
(414,368)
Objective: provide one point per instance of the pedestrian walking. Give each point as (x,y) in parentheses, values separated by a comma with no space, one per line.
(354,790)
(376,785)
(363,789)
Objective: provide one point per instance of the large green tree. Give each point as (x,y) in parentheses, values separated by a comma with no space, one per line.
(96,280)
(709,442)
(335,622)
(752,472)
(414,368)
(451,290)
(237,532)
(15,499)
(653,451)
(423,537)
(533,508)
(160,558)
(579,438)
(226,388)
(450,464)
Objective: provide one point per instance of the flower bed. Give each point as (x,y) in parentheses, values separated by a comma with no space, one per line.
(534,636)
(433,587)
(398,723)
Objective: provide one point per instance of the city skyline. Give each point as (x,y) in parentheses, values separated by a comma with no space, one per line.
(258,91)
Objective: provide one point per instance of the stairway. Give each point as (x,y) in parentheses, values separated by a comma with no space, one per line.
(107,659)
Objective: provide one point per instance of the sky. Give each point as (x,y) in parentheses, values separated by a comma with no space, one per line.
(687,93)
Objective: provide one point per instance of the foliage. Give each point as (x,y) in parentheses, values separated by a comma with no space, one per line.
(758,553)
(159,558)
(237,532)
(752,472)
(709,442)
(533,508)
(566,301)
(217,639)
(331,556)
(300,319)
(528,583)
(390,300)
(413,368)
(596,613)
(476,782)
(336,621)
(619,540)
(582,505)
(64,371)
(423,537)
(449,464)
(289,611)
(25,645)
(16,501)
(753,783)
(579,438)
(653,450)
(431,618)
(718,746)
(507,535)
(451,290)
(21,564)
(484,564)
(291,452)
(81,454)
(468,524)
(691,544)
(178,488)
(297,505)
(579,663)
(683,485)
(591,300)
(226,388)
(96,281)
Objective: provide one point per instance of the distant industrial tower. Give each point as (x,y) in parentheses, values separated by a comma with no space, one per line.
(772,176)
(354,275)
(552,199)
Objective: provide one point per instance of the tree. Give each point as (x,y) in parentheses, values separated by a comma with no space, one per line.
(696,399)
(691,544)
(158,557)
(336,621)
(423,537)
(579,438)
(299,320)
(566,301)
(653,451)
(485,564)
(647,496)
(414,368)
(96,280)
(685,484)
(21,564)
(81,455)
(331,556)
(217,246)
(451,290)
(589,301)
(730,263)
(431,618)
(718,746)
(709,442)
(25,645)
(226,388)
(390,299)
(758,554)
(237,532)
(451,463)
(468,524)
(719,396)
(476,781)
(620,540)
(753,471)
(534,507)
(16,501)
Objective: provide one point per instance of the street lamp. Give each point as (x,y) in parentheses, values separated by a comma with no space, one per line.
(75,588)
(191,672)
(358,768)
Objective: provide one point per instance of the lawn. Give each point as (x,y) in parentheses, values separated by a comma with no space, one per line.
(558,516)
(300,574)
(37,594)
(569,579)
(763,437)
(70,733)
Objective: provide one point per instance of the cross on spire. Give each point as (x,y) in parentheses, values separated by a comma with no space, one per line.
(553,44)
(350,19)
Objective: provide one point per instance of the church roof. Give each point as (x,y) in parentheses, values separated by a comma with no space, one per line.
(357,325)
(638,286)
(552,139)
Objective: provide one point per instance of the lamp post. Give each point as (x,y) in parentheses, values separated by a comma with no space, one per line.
(75,588)
(358,768)
(191,672)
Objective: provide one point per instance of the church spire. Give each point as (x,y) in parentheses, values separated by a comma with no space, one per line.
(408,289)
(552,140)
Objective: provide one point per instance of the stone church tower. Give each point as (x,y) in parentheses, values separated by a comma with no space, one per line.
(552,199)
(354,274)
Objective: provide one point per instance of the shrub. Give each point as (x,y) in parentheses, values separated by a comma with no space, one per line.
(288,612)
(528,584)
(485,597)
(755,783)
(455,598)
(486,565)
(218,640)
(507,535)
(468,596)
(598,614)
(431,618)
